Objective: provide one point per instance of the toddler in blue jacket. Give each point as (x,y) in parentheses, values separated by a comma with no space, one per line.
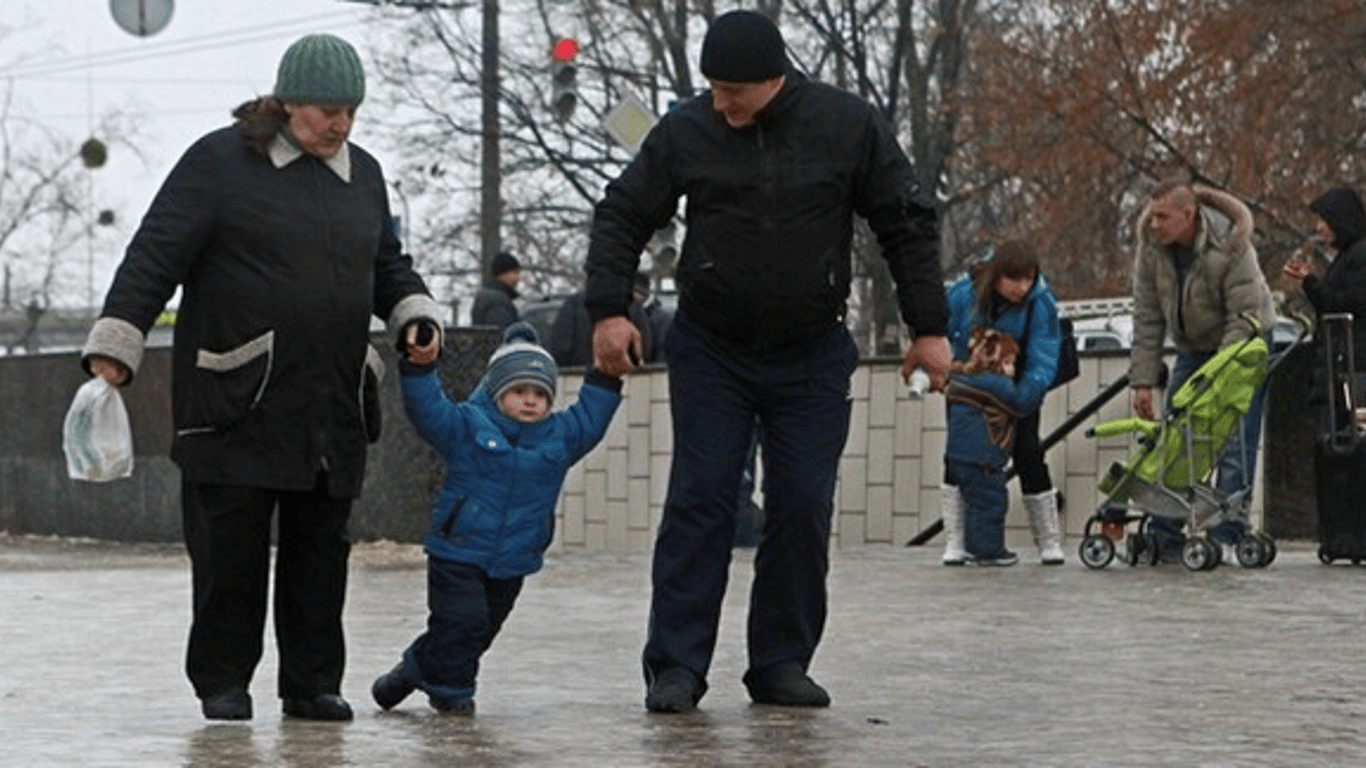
(506,457)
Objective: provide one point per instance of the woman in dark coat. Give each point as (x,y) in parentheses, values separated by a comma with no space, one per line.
(278,232)
(1341,223)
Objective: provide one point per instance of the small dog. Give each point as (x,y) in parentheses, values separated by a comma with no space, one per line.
(990,350)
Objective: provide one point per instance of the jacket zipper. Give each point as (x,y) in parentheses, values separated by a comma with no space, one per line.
(766,177)
(450,521)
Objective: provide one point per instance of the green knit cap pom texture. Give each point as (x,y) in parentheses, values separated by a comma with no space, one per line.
(320,69)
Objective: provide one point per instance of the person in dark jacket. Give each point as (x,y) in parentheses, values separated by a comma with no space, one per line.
(774,168)
(1004,302)
(571,336)
(506,456)
(1340,222)
(278,232)
(493,304)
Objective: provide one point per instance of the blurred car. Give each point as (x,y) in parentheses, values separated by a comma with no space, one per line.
(1101,333)
(1093,340)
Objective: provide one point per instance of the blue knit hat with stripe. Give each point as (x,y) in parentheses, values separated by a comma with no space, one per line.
(520,360)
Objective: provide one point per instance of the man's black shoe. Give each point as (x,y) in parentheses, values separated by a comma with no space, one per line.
(327,706)
(675,691)
(786,685)
(228,705)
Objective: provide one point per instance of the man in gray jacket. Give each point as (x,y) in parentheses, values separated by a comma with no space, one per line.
(1195,276)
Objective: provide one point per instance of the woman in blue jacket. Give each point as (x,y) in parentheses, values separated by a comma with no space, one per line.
(1003,329)
(507,457)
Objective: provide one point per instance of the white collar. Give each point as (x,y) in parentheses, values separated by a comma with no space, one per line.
(283,152)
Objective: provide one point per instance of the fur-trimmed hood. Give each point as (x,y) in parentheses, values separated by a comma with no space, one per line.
(1231,230)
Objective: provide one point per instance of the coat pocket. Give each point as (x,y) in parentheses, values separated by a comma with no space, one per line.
(447,526)
(230,384)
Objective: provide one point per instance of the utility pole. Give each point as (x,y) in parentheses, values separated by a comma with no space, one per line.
(491,171)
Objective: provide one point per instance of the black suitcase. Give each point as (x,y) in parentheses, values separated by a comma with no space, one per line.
(1340,489)
(1340,452)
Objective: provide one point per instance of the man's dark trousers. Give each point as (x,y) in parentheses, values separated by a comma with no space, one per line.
(801,398)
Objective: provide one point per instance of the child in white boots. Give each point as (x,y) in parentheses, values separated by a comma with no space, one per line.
(1005,336)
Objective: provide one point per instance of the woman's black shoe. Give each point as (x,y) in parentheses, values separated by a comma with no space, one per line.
(228,705)
(328,706)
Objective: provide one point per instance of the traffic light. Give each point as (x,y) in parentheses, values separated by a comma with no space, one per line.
(564,74)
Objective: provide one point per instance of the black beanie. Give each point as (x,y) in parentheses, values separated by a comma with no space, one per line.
(503,262)
(743,47)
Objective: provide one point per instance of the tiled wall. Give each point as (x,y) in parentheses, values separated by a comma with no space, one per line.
(889,477)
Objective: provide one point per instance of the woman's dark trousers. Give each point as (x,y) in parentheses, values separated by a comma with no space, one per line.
(227,533)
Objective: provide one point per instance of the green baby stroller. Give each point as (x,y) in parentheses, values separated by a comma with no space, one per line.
(1169,473)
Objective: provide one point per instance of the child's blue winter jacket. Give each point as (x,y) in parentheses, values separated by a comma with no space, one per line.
(496,509)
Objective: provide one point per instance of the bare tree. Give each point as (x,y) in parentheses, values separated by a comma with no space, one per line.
(553,171)
(46,213)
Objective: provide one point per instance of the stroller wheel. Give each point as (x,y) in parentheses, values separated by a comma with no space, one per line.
(1096,551)
(1198,554)
(1251,551)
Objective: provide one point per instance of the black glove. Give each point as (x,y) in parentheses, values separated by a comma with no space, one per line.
(426,331)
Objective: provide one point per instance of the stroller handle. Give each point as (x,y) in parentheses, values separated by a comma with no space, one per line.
(1123,427)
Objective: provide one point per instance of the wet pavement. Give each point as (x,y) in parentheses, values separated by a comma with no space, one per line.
(927,666)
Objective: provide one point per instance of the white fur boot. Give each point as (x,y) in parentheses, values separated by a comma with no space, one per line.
(1043,521)
(951,511)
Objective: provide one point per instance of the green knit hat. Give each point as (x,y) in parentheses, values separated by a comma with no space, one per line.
(320,69)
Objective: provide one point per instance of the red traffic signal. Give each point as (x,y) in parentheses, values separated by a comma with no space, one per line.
(566,49)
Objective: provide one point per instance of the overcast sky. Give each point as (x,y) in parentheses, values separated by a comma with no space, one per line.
(67,60)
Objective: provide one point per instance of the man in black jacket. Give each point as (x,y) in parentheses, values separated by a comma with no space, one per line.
(493,304)
(774,168)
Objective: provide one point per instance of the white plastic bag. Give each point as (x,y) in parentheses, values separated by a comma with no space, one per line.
(96,437)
